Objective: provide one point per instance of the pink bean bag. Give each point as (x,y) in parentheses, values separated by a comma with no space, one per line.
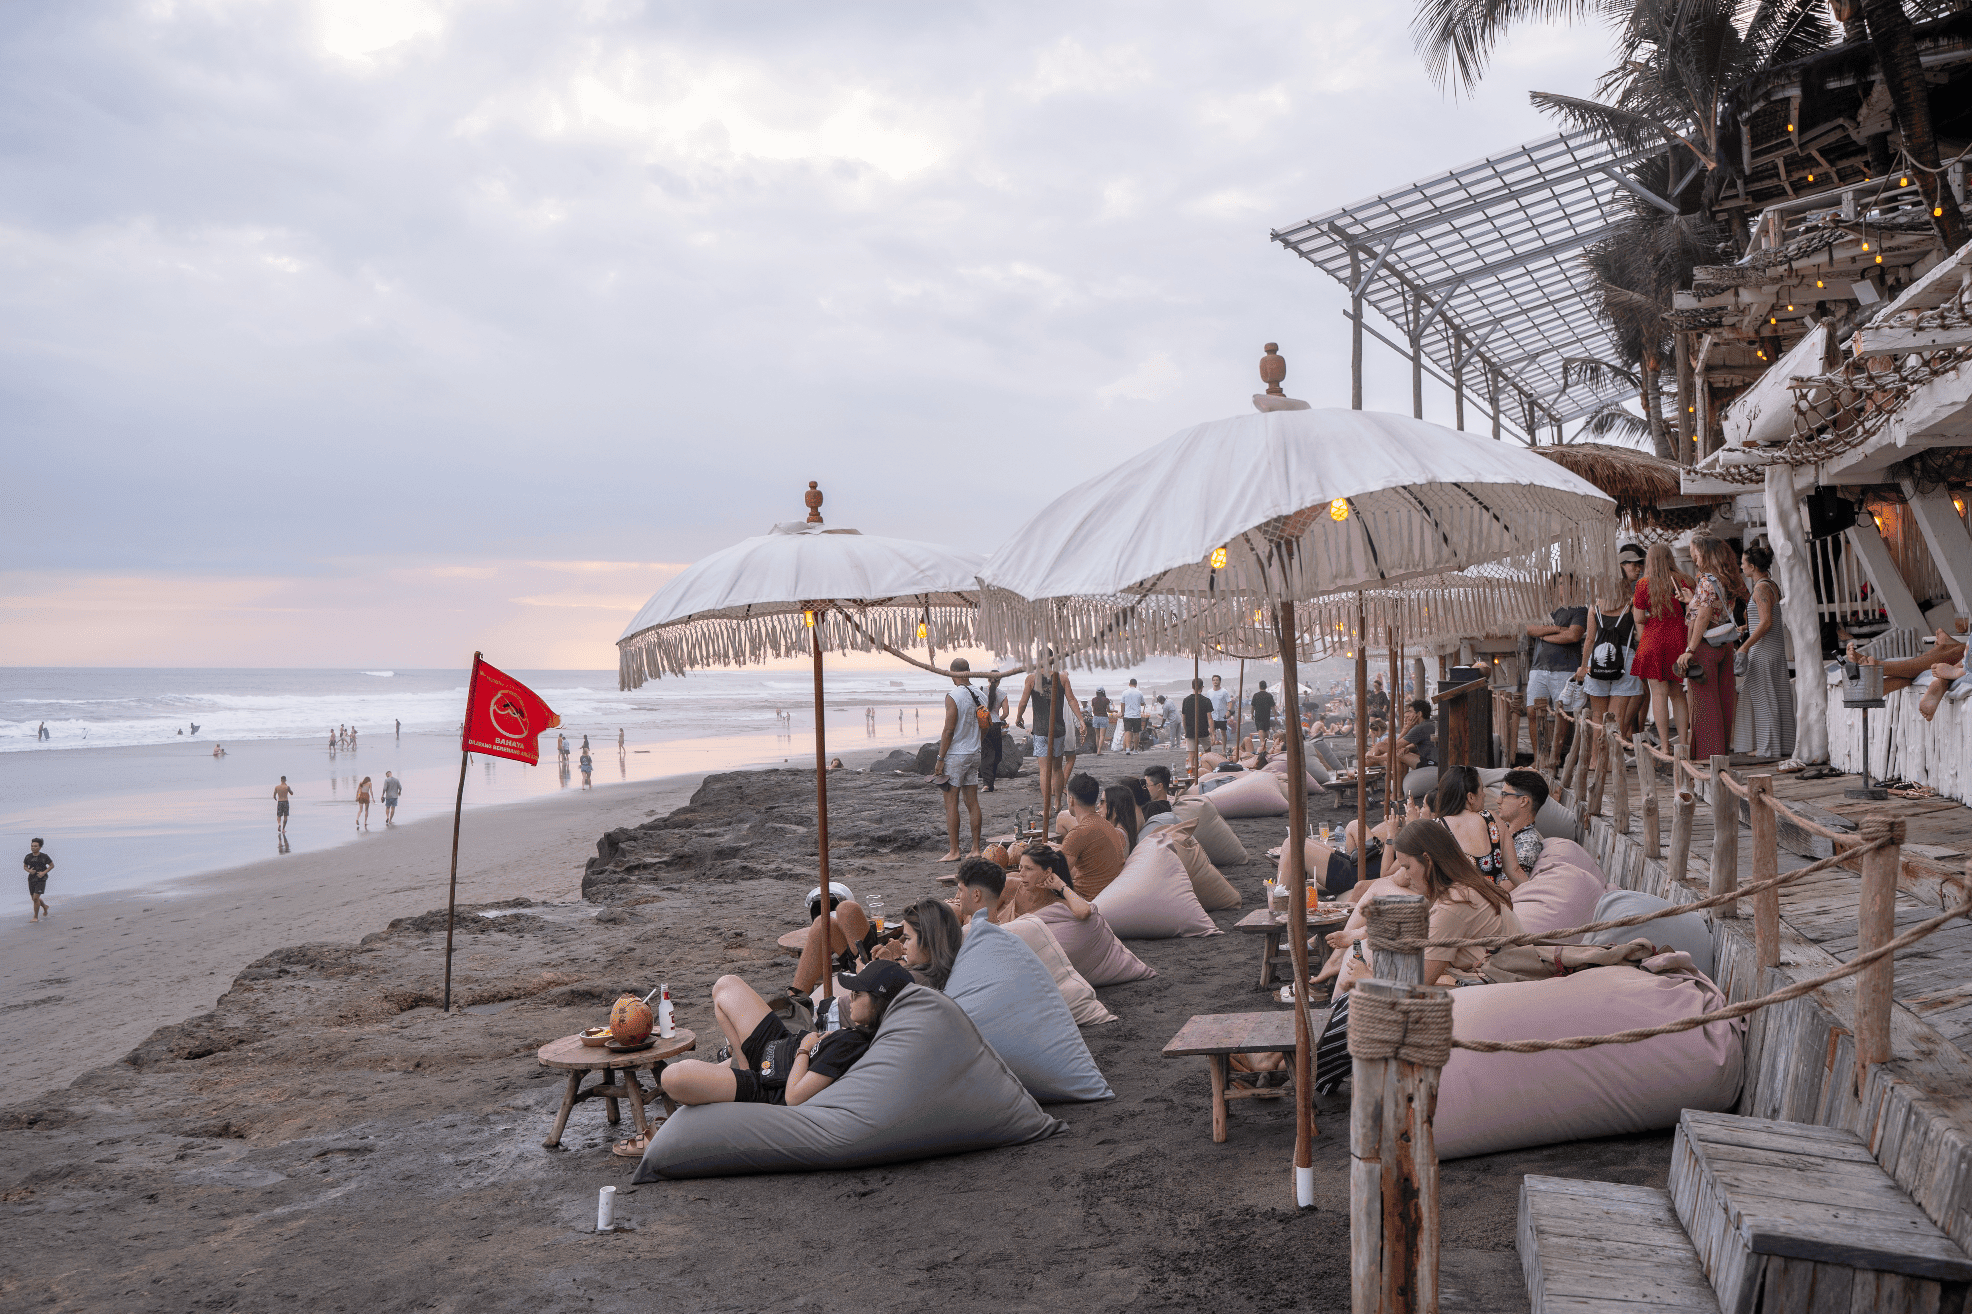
(1211,832)
(1563,891)
(1101,958)
(1278,766)
(1493,1102)
(1214,891)
(1151,899)
(1076,992)
(1251,794)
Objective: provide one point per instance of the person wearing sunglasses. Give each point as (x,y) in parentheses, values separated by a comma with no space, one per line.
(1522,793)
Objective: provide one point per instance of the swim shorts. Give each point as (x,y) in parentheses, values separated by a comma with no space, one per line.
(281,807)
(1133,724)
(962,769)
(37,884)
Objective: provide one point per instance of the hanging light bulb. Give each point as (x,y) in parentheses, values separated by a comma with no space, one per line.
(1819,283)
(1958,501)
(809,616)
(1903,182)
(922,631)
(1865,246)
(1790,307)
(1879,260)
(1338,510)
(1811,177)
(1218,558)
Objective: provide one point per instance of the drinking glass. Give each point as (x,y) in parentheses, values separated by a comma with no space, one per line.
(874,907)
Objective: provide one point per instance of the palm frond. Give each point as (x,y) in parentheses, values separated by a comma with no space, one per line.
(1455,38)
(1615,419)
(1626,128)
(1596,373)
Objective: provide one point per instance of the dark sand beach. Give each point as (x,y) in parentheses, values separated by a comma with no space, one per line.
(325,1139)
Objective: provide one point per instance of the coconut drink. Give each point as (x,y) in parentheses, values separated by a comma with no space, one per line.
(630,1020)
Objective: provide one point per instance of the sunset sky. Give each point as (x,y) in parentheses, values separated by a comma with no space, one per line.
(365,333)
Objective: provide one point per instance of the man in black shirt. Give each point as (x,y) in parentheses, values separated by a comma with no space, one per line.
(1263,711)
(37,865)
(1196,716)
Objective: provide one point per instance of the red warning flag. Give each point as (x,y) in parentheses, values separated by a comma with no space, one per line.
(503,716)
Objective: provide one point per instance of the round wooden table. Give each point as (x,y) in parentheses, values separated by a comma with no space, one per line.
(575,1058)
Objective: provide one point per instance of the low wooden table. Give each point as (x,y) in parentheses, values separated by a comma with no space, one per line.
(1218,1036)
(575,1058)
(1269,926)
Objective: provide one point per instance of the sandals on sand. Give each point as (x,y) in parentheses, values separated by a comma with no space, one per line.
(631,1149)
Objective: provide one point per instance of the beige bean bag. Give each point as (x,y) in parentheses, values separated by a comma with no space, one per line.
(1214,891)
(1251,794)
(1076,992)
(1563,891)
(1151,899)
(1211,832)
(1493,1102)
(1092,947)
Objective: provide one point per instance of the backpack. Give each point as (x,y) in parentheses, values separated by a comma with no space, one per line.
(1606,657)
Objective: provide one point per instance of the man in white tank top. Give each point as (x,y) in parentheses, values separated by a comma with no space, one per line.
(957,770)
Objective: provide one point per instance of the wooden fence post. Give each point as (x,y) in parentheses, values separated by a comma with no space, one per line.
(1584,748)
(1617,774)
(1725,836)
(1684,809)
(1537,735)
(1646,779)
(1393,1158)
(1766,866)
(1598,758)
(1876,924)
(1574,750)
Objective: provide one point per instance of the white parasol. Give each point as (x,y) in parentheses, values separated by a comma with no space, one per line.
(803,588)
(1223,528)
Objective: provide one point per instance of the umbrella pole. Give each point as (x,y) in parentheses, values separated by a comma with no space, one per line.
(1237,704)
(1390,719)
(1188,729)
(1297,926)
(1362,745)
(825,926)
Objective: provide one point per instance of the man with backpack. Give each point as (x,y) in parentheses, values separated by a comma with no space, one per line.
(956,772)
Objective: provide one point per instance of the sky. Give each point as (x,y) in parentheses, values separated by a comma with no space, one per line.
(373,332)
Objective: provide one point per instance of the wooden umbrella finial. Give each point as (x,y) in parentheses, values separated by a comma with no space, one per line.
(1273,369)
(813,499)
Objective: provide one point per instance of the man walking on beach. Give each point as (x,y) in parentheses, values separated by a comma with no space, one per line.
(1221,712)
(957,769)
(392,787)
(37,865)
(1053,701)
(1196,717)
(281,796)
(1132,718)
(1263,713)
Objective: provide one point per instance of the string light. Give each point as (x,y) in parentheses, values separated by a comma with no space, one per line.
(1819,283)
(1790,306)
(1958,501)
(1879,260)
(1811,177)
(809,616)
(1338,510)
(1903,182)
(1865,246)
(922,631)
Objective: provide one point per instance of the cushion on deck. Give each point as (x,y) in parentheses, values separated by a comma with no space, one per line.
(1011,997)
(1493,1102)
(1212,832)
(1562,891)
(1555,821)
(1690,931)
(1076,992)
(1214,891)
(1152,898)
(1252,794)
(929,1085)
(1101,958)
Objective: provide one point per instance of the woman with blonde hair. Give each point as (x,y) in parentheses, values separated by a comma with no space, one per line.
(1659,610)
(1706,664)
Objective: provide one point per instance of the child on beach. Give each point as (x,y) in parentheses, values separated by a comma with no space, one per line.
(37,865)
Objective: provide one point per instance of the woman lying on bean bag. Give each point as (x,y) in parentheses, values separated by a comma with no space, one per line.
(1041,878)
(930,942)
(781,1067)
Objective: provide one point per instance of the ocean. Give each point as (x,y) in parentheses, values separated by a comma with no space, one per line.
(128,795)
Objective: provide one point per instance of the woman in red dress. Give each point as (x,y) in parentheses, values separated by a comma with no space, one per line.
(1659,609)
(1712,695)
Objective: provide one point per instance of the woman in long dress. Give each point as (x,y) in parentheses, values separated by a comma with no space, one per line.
(1660,623)
(1767,687)
(1709,688)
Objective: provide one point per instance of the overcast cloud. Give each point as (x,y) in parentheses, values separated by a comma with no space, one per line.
(349,333)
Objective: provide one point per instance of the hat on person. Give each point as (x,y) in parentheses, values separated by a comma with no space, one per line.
(1629,552)
(882,977)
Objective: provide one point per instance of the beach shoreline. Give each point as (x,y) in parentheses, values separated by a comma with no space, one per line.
(126,962)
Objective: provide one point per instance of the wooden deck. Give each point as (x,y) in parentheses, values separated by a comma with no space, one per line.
(1915,1113)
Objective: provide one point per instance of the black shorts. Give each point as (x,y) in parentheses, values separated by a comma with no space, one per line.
(37,885)
(1133,724)
(1340,877)
(281,807)
(770,1044)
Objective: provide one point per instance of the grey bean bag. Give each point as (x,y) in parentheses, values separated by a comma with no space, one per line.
(929,1085)
(1557,822)
(1011,997)
(1690,931)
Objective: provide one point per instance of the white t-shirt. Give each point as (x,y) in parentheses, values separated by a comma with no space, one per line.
(1221,702)
(1133,703)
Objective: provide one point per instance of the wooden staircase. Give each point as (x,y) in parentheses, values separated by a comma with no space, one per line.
(1762,1217)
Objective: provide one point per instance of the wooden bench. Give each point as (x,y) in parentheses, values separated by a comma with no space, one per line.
(1218,1036)
(1271,926)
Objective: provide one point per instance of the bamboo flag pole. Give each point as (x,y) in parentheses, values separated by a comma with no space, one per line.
(458,807)
(825,925)
(1297,921)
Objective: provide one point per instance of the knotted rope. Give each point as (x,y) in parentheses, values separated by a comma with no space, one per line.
(1410,1030)
(1405,921)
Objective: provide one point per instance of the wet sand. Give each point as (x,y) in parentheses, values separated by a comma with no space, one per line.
(324,1138)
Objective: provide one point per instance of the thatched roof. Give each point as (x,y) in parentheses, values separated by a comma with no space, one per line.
(1635,479)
